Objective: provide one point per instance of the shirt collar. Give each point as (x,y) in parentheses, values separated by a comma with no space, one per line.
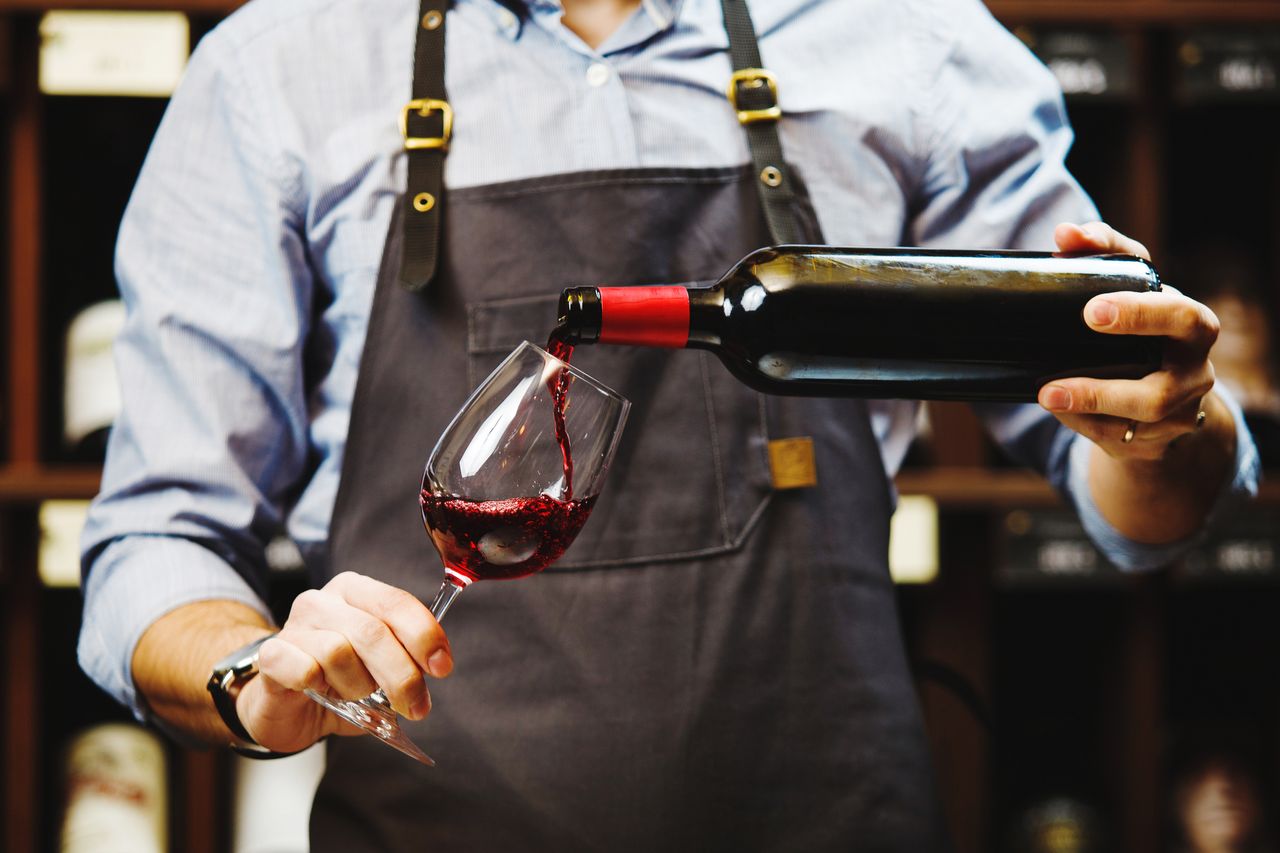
(509,15)
(662,12)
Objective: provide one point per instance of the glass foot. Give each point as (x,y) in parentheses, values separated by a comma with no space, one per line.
(377,718)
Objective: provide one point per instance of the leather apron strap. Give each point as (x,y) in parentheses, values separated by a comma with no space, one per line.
(426,124)
(753,92)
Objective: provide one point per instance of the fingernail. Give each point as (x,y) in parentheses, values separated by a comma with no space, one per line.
(1094,230)
(1101,312)
(421,707)
(440,663)
(1057,398)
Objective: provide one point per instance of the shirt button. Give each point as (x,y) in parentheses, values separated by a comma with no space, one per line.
(598,74)
(507,18)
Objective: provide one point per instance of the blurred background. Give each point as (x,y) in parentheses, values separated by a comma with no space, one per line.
(1071,707)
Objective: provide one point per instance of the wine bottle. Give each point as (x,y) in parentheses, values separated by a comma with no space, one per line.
(884,323)
(116,792)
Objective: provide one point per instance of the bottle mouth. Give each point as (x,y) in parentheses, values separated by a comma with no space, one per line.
(579,315)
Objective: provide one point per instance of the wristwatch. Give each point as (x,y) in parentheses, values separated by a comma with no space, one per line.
(228,678)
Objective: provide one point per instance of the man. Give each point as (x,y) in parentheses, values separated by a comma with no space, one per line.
(719,667)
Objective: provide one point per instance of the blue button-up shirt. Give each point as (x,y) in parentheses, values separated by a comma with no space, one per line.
(248,254)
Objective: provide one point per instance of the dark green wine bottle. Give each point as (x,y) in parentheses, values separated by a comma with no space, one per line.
(884,323)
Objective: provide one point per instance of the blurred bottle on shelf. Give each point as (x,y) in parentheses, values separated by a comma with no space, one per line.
(1089,64)
(921,452)
(1058,824)
(116,792)
(91,395)
(271,802)
(1228,65)
(1218,798)
(1245,358)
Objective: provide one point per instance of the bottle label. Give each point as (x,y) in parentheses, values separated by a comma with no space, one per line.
(644,316)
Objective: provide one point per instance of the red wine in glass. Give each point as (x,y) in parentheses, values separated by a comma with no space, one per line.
(501,539)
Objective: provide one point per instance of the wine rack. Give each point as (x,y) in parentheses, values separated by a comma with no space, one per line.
(1077,686)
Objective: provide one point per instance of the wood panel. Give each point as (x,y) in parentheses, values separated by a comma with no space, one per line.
(23,346)
(20,611)
(1111,12)
(32,484)
(200,6)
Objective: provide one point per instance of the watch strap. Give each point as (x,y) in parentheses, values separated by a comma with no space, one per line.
(229,676)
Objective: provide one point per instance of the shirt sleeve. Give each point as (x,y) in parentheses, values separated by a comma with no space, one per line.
(996,139)
(212,435)
(994,135)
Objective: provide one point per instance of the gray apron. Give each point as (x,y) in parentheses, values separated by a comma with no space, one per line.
(715,664)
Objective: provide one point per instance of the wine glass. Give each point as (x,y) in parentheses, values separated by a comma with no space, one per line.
(506,489)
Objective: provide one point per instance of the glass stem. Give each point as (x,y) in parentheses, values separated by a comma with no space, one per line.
(448,592)
(444,597)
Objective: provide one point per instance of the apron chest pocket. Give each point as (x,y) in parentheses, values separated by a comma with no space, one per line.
(690,478)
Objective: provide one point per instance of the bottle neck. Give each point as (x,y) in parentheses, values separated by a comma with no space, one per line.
(630,316)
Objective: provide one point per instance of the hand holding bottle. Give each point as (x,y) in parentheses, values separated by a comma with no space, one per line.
(1137,419)
(1168,443)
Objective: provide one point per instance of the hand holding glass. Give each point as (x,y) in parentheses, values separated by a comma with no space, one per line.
(501,496)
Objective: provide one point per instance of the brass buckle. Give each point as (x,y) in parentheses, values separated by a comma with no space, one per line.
(425,107)
(754,78)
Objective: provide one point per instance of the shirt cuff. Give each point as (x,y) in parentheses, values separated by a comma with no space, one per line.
(1129,555)
(134,582)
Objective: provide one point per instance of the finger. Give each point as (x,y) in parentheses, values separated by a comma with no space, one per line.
(409,619)
(340,670)
(385,659)
(1131,439)
(1146,441)
(1158,314)
(290,667)
(1096,237)
(282,718)
(1155,397)
(351,645)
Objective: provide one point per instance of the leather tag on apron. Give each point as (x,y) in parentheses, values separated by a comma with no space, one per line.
(792,464)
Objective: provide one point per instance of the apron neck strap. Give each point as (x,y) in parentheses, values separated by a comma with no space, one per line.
(427,122)
(753,92)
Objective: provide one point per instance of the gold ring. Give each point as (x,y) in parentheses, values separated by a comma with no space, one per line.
(1129,432)
(1201,416)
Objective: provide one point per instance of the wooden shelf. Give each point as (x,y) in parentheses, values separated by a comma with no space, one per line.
(998,489)
(219,7)
(978,487)
(22,485)
(1137,12)
(968,487)
(1106,12)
